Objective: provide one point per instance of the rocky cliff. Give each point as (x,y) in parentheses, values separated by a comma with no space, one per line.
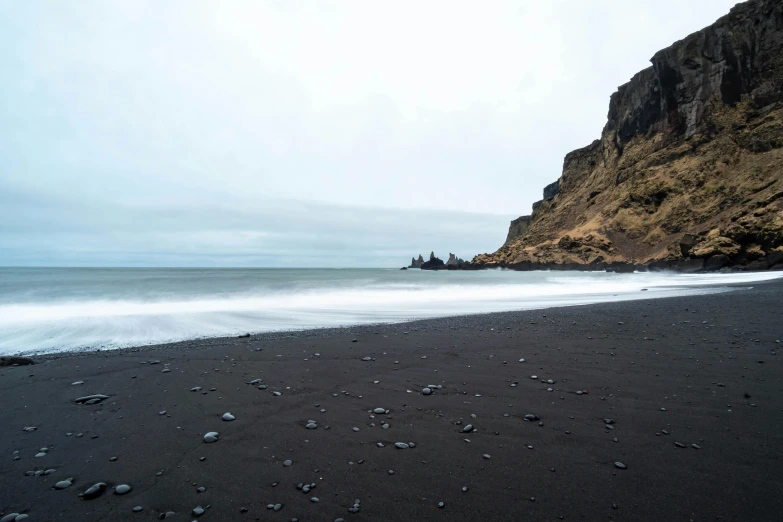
(688,172)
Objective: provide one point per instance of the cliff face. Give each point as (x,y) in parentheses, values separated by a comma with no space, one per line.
(688,171)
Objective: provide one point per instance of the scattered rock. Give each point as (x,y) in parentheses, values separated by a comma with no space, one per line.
(64,484)
(92,399)
(122,489)
(94,491)
(10,360)
(212,436)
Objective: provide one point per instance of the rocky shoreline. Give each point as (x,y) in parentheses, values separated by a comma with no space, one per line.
(690,265)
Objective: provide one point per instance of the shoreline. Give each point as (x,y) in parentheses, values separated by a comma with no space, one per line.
(357,328)
(690,386)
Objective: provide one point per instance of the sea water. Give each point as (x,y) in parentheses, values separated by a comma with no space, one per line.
(59,309)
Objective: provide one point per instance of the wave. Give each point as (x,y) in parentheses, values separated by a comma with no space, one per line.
(47,326)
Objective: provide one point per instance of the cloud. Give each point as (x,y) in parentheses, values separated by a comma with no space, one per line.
(180,110)
(52,231)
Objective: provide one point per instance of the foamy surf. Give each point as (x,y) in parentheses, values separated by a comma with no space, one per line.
(70,309)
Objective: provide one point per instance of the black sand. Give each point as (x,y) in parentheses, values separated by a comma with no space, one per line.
(718,377)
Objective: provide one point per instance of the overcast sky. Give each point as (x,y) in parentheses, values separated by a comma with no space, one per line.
(296,133)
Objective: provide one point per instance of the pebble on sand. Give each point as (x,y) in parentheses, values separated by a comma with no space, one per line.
(212,436)
(620,465)
(228,417)
(64,484)
(122,489)
(94,491)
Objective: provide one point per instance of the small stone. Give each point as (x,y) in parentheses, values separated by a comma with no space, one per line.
(401,445)
(379,411)
(695,446)
(137,509)
(426,391)
(467,429)
(620,465)
(198,511)
(228,417)
(277,507)
(465,488)
(441,505)
(287,463)
(212,436)
(679,444)
(94,491)
(122,489)
(487,456)
(315,499)
(64,484)
(311,426)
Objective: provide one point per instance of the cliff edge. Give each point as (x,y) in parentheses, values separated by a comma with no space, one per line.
(688,172)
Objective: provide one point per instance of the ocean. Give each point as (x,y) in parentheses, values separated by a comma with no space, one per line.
(44,310)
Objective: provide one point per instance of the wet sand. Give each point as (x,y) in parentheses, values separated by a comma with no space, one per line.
(700,372)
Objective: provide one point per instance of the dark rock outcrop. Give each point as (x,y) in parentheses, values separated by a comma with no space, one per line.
(10,360)
(416,263)
(551,190)
(518,227)
(434,263)
(688,172)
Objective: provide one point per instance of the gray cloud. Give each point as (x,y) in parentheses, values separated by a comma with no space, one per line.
(192,132)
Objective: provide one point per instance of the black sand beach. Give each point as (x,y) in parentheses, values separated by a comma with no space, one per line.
(683,394)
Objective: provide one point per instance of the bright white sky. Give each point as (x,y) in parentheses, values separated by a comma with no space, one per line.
(323,133)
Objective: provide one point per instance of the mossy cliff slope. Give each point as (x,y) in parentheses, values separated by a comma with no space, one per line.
(688,172)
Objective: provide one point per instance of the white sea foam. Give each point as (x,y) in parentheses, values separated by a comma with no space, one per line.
(72,320)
